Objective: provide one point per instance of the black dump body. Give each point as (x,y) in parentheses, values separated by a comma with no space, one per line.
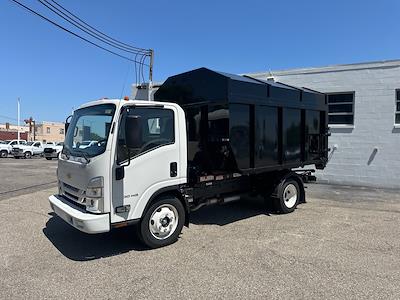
(237,124)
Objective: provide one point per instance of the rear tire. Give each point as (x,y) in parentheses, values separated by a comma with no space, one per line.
(288,196)
(162,223)
(3,154)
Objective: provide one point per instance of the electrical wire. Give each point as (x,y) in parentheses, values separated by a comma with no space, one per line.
(98,31)
(9,118)
(70,32)
(90,32)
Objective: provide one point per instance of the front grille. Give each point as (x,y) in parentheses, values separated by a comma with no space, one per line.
(48,150)
(76,190)
(16,150)
(74,202)
(71,196)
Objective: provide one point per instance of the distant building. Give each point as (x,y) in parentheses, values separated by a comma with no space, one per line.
(364,117)
(49,132)
(10,132)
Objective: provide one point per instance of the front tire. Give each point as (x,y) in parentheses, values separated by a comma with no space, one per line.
(288,196)
(162,223)
(28,155)
(3,154)
(49,158)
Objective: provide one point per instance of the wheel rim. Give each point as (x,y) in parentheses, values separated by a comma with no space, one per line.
(163,221)
(28,155)
(290,195)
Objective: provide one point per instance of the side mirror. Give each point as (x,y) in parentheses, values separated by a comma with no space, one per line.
(66,125)
(133,132)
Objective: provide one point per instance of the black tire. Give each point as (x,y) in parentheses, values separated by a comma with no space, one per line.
(3,154)
(288,196)
(49,158)
(28,155)
(162,205)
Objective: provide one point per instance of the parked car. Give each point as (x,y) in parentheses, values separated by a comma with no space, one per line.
(6,146)
(28,150)
(52,151)
(86,144)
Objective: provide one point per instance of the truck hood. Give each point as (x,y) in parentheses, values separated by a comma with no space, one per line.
(78,174)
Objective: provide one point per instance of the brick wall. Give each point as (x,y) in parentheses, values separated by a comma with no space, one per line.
(12,135)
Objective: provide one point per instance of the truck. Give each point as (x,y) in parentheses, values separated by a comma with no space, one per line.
(6,146)
(52,150)
(207,138)
(27,150)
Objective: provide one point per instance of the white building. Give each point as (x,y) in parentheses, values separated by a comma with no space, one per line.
(364,117)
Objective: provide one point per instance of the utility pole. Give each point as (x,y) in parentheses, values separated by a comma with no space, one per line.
(18,118)
(31,121)
(151,73)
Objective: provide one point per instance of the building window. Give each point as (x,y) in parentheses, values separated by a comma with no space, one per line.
(61,130)
(48,129)
(397,114)
(341,108)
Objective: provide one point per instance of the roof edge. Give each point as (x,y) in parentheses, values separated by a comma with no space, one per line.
(331,68)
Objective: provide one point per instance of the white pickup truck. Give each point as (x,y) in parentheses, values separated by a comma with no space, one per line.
(52,150)
(6,146)
(28,150)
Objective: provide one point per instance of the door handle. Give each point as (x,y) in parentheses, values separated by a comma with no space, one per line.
(173,169)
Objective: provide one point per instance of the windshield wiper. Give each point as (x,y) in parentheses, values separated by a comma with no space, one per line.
(84,155)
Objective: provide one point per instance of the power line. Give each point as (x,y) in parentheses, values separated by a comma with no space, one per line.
(90,32)
(96,30)
(70,32)
(9,118)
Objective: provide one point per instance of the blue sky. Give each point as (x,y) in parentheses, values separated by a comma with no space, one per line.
(52,71)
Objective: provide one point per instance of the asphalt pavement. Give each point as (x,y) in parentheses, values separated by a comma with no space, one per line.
(344,243)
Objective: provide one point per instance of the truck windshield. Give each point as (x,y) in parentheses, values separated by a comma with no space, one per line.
(89,124)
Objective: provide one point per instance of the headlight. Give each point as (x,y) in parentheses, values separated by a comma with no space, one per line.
(94,192)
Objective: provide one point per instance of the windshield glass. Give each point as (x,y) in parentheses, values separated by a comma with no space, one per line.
(30,143)
(87,134)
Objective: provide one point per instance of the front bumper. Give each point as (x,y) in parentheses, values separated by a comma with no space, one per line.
(17,154)
(51,155)
(75,216)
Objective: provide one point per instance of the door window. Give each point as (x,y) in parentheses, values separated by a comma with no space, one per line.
(155,126)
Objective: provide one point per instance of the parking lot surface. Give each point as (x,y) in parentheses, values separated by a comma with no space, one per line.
(343,243)
(22,176)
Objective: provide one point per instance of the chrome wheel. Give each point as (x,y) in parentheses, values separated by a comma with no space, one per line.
(163,221)
(290,195)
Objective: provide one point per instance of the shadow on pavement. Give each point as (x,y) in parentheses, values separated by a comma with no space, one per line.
(79,246)
(230,212)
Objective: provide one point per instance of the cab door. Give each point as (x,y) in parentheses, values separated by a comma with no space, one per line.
(152,165)
(37,148)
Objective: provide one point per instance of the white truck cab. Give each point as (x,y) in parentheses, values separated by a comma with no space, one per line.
(52,150)
(27,150)
(109,184)
(6,146)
